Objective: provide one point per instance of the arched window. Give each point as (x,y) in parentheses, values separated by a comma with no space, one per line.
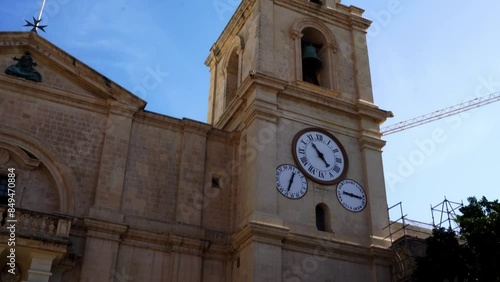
(322,217)
(315,53)
(232,77)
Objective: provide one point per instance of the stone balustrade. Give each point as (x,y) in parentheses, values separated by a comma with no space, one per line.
(38,225)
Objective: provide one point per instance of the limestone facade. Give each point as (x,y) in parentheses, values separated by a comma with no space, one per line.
(106,191)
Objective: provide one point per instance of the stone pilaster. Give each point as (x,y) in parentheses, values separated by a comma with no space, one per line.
(371,149)
(192,166)
(361,63)
(186,259)
(101,250)
(259,148)
(258,253)
(114,155)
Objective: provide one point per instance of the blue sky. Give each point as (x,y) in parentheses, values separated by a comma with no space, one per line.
(424,55)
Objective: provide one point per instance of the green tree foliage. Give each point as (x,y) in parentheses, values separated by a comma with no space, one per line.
(443,258)
(480,227)
(476,259)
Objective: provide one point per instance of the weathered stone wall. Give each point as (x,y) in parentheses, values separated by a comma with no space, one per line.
(75,134)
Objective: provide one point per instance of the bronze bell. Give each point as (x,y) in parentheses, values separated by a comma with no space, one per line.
(311,64)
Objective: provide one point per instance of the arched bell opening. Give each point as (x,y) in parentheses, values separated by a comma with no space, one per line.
(313,57)
(315,53)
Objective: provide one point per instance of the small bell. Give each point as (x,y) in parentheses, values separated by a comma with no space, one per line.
(311,64)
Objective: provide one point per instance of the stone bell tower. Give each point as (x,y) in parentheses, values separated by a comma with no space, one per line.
(292,76)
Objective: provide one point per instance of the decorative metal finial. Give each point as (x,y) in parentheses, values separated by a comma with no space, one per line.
(35,23)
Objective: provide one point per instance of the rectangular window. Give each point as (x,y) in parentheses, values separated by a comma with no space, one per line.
(4,189)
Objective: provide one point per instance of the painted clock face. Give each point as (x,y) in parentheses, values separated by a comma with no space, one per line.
(290,181)
(320,155)
(351,195)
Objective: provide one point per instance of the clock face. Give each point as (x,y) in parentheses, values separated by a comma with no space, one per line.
(319,155)
(291,182)
(351,195)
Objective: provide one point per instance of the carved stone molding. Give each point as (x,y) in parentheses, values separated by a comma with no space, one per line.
(259,232)
(105,230)
(23,147)
(300,24)
(25,161)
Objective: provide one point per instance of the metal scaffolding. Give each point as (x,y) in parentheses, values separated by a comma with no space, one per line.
(446,214)
(407,243)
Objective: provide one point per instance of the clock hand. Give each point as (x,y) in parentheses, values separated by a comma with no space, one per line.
(320,155)
(291,181)
(352,195)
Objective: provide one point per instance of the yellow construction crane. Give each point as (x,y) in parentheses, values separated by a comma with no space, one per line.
(439,114)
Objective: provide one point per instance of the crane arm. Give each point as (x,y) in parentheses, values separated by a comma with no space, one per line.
(439,114)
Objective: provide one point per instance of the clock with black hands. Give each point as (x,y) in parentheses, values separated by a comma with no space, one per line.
(351,195)
(290,181)
(320,155)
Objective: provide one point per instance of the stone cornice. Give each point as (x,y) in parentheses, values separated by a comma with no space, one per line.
(265,80)
(332,100)
(357,21)
(311,88)
(250,106)
(30,244)
(245,99)
(195,127)
(69,65)
(188,245)
(186,230)
(327,248)
(382,256)
(180,125)
(232,28)
(259,232)
(213,244)
(325,99)
(256,112)
(370,110)
(237,105)
(119,108)
(347,17)
(141,236)
(222,136)
(104,229)
(368,142)
(159,120)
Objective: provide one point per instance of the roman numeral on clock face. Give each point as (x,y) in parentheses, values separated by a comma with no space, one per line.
(304,160)
(336,169)
(311,169)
